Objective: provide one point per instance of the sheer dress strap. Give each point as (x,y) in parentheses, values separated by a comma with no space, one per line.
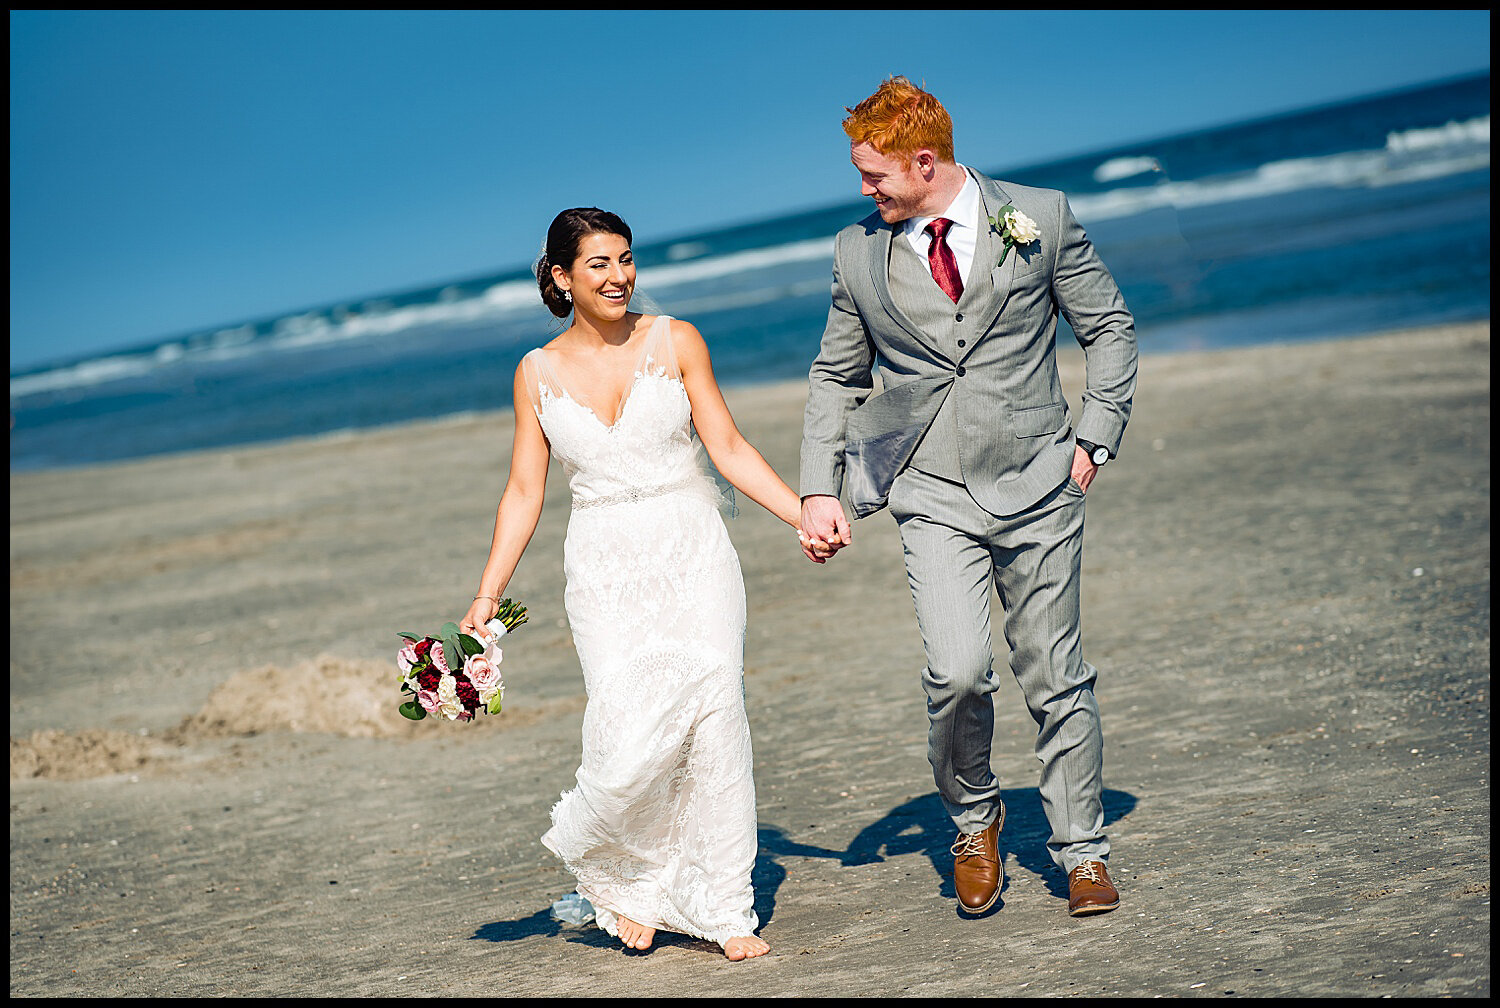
(539,376)
(658,355)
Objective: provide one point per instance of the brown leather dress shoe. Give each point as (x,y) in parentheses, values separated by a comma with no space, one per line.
(977,870)
(1090,891)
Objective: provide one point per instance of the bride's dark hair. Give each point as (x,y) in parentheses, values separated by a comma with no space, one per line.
(568,230)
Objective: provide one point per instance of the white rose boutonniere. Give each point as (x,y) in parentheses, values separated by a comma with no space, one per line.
(1015,228)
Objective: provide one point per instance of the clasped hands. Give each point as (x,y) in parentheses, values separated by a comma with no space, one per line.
(824,529)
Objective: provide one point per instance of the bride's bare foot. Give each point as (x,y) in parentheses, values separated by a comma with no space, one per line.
(747,947)
(633,935)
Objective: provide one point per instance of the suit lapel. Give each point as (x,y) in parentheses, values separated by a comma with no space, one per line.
(878,243)
(987,254)
(987,247)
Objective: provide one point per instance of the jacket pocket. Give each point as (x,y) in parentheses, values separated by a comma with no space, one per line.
(1030,259)
(1038,421)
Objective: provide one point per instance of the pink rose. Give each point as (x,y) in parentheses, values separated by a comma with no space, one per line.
(482,673)
(429,700)
(438,661)
(407,658)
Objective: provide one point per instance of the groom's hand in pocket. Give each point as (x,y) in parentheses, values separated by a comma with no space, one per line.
(1084,469)
(823,521)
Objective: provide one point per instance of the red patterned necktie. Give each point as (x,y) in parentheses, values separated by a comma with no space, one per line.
(940,258)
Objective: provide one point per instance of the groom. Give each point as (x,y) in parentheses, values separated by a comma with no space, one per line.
(951,290)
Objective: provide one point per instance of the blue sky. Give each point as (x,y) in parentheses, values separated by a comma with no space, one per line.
(180,171)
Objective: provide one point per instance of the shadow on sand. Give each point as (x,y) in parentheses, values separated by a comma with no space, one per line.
(920,826)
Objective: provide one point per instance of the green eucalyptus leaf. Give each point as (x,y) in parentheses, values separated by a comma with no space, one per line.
(412,711)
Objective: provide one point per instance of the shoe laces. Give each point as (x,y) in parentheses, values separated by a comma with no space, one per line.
(968,845)
(1089,870)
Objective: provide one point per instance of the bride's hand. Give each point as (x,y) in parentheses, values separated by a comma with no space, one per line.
(481,612)
(813,548)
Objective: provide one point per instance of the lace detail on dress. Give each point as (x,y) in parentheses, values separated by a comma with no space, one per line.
(661,824)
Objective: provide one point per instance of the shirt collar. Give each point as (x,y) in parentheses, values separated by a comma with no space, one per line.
(963,211)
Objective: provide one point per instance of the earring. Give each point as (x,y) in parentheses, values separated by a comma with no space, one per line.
(567,295)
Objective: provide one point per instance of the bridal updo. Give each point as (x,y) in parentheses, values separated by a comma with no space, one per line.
(567,232)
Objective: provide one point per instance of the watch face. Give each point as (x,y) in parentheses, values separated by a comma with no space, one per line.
(1101,455)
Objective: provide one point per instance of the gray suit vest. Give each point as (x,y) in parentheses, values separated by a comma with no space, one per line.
(924,302)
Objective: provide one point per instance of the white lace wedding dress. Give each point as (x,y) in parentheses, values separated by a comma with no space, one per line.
(661,827)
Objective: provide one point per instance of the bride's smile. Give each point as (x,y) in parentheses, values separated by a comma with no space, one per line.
(602,278)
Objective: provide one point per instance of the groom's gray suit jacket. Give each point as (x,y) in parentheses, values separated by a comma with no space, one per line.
(971,390)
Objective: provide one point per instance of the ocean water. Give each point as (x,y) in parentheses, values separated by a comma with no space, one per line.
(1368,215)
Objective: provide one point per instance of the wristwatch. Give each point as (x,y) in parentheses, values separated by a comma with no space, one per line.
(1098,454)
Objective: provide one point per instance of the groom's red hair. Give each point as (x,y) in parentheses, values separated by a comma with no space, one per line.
(900,119)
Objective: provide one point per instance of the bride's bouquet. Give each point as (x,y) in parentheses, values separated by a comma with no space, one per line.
(455,675)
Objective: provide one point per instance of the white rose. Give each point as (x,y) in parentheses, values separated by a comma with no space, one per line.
(449,705)
(1022,229)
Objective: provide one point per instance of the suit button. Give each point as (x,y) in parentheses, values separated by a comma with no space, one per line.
(962,343)
(959,317)
(960,372)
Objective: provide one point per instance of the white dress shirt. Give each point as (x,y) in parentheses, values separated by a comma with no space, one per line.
(962,237)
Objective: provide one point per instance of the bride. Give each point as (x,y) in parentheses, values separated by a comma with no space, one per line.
(660,831)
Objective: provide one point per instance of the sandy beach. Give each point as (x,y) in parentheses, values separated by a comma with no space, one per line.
(1287,593)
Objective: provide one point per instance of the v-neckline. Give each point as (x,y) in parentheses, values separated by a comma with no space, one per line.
(608,428)
(642,357)
(554,381)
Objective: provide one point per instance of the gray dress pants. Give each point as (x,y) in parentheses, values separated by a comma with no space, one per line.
(954,549)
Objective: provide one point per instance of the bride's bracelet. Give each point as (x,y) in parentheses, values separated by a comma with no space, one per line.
(492,598)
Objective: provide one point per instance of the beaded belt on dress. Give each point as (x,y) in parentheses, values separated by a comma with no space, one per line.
(632,495)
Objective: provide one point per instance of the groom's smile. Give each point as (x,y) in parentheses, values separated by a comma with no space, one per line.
(899,190)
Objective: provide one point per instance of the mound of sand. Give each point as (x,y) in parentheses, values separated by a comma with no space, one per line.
(356,699)
(78,755)
(350,698)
